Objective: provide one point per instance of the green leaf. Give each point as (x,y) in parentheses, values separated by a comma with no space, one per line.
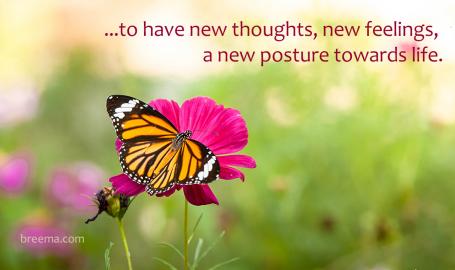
(168,264)
(200,242)
(224,263)
(107,258)
(172,247)
(212,245)
(195,227)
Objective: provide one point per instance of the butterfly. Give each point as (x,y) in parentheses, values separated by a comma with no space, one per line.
(154,153)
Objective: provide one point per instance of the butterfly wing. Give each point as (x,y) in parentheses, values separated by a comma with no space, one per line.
(192,163)
(199,164)
(146,135)
(136,121)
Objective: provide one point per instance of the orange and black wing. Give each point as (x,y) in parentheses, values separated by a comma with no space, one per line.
(193,163)
(146,135)
(136,121)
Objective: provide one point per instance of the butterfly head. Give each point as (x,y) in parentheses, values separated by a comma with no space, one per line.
(187,134)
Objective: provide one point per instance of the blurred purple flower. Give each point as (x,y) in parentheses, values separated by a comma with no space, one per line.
(223,130)
(43,237)
(15,173)
(74,186)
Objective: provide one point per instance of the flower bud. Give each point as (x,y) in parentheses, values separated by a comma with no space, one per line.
(113,204)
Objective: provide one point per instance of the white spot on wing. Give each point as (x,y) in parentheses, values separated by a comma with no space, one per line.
(119,115)
(123,109)
(212,160)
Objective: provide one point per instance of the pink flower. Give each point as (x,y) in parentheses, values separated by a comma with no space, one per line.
(222,130)
(73,186)
(15,173)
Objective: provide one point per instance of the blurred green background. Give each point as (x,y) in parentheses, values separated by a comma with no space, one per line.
(355,161)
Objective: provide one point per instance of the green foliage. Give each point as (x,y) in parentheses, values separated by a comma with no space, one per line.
(174,248)
(168,264)
(107,258)
(223,263)
(198,253)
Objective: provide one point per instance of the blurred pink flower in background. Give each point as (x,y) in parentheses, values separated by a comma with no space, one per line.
(41,236)
(15,173)
(73,186)
(19,103)
(222,130)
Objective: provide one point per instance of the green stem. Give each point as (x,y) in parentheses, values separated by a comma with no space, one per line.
(125,243)
(185,236)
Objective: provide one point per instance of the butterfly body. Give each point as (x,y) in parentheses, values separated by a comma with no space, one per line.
(180,139)
(153,152)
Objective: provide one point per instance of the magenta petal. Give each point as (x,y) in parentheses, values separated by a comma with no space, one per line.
(14,174)
(223,130)
(199,195)
(229,173)
(124,185)
(243,161)
(169,108)
(118,144)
